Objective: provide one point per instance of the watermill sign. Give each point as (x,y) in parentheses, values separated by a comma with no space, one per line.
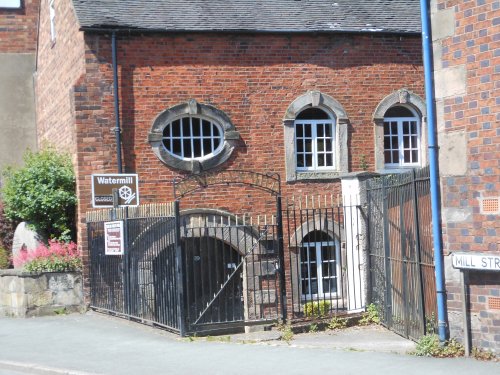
(126,185)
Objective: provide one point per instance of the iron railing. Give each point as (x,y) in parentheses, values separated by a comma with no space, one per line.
(402,280)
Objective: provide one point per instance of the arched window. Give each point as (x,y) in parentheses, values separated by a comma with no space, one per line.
(192,136)
(315,140)
(319,266)
(400,132)
(401,137)
(315,128)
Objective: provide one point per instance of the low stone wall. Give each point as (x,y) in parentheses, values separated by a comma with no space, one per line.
(24,294)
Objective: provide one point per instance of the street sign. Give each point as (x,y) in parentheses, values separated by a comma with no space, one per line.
(469,261)
(113,238)
(127,186)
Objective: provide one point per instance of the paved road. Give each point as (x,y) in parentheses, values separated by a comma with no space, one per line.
(93,343)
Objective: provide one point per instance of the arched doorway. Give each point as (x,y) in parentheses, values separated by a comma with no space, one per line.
(210,263)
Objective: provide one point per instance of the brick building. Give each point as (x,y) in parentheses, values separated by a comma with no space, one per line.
(18,37)
(311,90)
(466,38)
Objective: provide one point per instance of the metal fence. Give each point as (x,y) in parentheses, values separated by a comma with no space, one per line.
(402,281)
(142,283)
(204,271)
(325,259)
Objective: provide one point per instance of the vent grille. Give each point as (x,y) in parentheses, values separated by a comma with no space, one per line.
(494,303)
(490,205)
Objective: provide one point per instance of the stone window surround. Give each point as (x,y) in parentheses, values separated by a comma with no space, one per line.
(416,104)
(193,108)
(332,107)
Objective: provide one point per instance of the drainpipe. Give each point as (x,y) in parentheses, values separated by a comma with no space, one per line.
(118,132)
(433,165)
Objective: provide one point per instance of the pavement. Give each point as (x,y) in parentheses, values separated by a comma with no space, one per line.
(92,343)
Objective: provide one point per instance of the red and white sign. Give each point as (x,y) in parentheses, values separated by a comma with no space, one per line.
(113,238)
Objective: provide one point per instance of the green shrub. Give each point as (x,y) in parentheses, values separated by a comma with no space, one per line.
(317,308)
(7,228)
(430,346)
(4,258)
(286,332)
(371,316)
(337,323)
(313,328)
(42,193)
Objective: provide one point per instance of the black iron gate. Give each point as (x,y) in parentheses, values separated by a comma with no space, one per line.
(401,252)
(199,272)
(230,271)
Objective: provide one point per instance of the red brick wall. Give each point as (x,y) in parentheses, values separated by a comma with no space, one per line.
(253,79)
(59,66)
(474,45)
(18,28)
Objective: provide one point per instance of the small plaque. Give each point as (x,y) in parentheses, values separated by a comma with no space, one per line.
(113,238)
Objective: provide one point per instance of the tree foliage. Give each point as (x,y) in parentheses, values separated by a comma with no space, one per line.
(42,193)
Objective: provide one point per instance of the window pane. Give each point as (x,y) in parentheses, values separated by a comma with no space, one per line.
(314,286)
(196,127)
(387,157)
(387,143)
(414,156)
(312,254)
(321,145)
(321,160)
(329,145)
(329,286)
(176,128)
(299,130)
(176,146)
(309,145)
(394,128)
(305,286)
(187,148)
(406,142)
(414,127)
(207,146)
(407,156)
(168,143)
(329,269)
(329,160)
(300,161)
(320,130)
(387,128)
(406,127)
(197,148)
(395,156)
(300,146)
(414,141)
(395,144)
(328,253)
(314,271)
(328,130)
(303,254)
(309,160)
(307,130)
(186,131)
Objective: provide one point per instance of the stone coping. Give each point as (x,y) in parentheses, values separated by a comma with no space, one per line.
(22,273)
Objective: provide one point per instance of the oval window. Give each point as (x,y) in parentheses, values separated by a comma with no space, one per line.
(192,138)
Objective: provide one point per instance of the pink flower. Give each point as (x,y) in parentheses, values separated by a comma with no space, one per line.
(53,249)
